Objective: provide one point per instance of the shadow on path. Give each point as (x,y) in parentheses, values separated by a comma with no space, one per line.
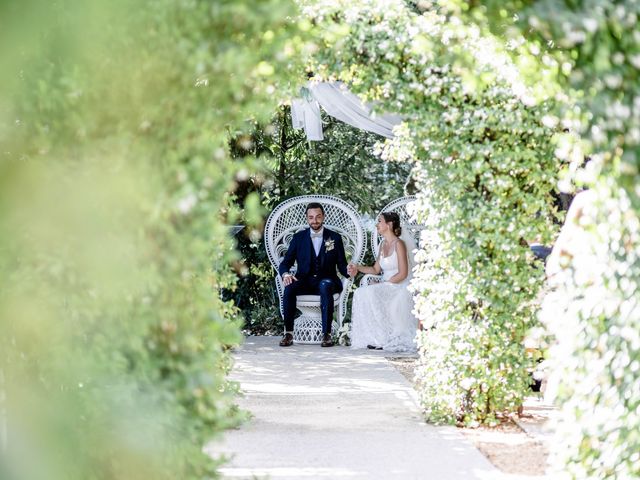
(325,413)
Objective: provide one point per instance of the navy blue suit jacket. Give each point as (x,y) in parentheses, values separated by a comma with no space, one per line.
(300,251)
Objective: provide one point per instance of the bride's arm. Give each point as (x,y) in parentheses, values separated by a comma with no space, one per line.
(403,264)
(375,269)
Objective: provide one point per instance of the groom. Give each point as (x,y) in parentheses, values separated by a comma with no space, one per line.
(318,251)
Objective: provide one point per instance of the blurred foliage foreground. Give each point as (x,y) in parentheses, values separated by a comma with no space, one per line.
(112,332)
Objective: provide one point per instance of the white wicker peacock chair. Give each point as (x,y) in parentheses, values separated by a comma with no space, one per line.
(402,206)
(288,218)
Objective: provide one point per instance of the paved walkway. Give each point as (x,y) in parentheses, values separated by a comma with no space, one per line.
(332,413)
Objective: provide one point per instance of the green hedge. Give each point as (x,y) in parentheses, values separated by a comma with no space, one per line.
(593,313)
(113,251)
(485,167)
(485,193)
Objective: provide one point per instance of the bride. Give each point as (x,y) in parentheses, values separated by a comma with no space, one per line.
(381,314)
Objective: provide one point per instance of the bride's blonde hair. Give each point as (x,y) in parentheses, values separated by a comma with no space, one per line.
(394,219)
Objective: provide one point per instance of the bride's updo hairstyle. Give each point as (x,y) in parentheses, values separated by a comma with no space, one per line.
(394,219)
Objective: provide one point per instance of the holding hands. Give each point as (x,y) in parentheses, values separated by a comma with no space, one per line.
(352,269)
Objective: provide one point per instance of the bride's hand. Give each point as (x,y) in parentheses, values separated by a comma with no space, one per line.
(352,269)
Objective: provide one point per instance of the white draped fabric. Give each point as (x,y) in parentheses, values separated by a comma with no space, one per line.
(336,99)
(305,113)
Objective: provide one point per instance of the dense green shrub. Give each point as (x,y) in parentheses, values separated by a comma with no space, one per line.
(478,283)
(594,312)
(485,169)
(113,172)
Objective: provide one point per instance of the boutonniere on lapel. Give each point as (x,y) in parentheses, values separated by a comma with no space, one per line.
(329,244)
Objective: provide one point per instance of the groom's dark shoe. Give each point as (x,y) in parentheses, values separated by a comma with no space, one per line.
(326,340)
(287,340)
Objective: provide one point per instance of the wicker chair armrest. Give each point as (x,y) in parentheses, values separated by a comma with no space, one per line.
(370,279)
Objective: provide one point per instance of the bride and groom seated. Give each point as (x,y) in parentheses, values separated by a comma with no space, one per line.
(381,313)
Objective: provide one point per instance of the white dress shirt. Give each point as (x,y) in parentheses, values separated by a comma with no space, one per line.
(317,241)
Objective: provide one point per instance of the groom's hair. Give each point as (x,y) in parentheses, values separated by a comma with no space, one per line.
(314,205)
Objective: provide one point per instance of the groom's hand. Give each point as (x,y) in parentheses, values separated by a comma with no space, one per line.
(288,279)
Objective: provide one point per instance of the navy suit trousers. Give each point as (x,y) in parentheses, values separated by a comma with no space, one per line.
(309,286)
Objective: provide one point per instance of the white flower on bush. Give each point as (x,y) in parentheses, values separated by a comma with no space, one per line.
(186,204)
(467,383)
(344,334)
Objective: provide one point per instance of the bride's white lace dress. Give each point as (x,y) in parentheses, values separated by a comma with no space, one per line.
(381,313)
